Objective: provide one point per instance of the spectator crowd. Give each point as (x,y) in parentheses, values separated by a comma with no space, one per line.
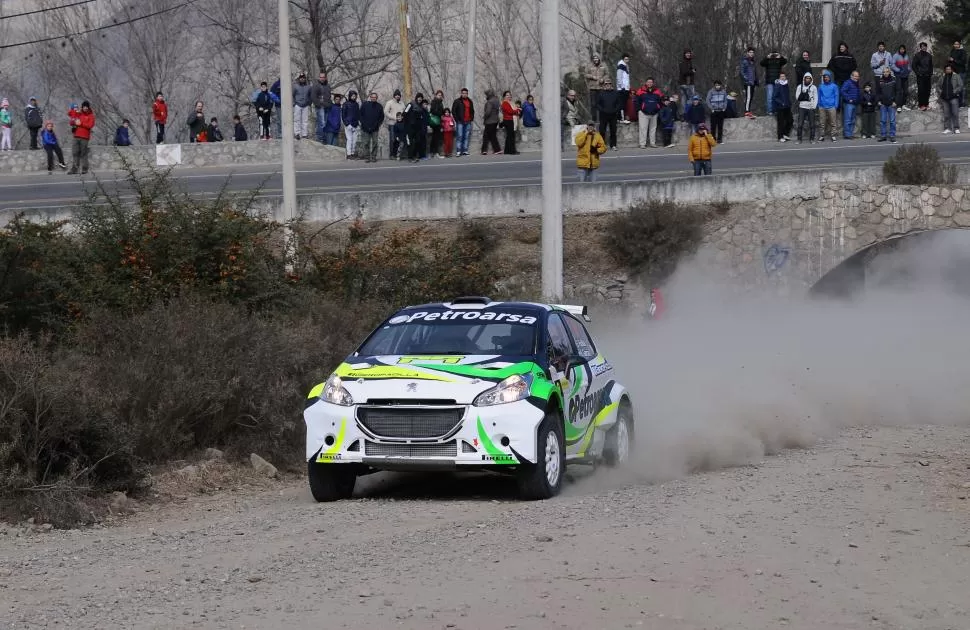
(844,98)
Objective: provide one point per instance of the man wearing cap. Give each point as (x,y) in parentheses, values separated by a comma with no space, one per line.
(34,118)
(700,150)
(596,77)
(391,109)
(302,98)
(609,108)
(322,102)
(82,122)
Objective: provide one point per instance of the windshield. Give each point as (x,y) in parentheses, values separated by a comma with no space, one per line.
(502,333)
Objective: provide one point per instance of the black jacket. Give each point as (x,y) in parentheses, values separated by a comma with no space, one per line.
(687,71)
(458,110)
(321,95)
(264,103)
(773,68)
(213,134)
(923,64)
(867,101)
(609,102)
(802,67)
(959,58)
(886,91)
(239,133)
(415,117)
(371,116)
(842,65)
(195,123)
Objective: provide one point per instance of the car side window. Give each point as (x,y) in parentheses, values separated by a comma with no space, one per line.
(559,346)
(584,344)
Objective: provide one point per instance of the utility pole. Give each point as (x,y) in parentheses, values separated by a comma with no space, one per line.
(828,23)
(406,49)
(551,154)
(288,144)
(470,48)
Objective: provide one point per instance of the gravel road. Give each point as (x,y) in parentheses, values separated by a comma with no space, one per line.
(865,530)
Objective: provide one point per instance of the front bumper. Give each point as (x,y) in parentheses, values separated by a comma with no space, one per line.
(501,435)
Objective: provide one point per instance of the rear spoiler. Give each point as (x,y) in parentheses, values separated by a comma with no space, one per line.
(575,309)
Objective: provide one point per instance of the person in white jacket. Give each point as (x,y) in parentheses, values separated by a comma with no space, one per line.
(880,59)
(623,85)
(806,95)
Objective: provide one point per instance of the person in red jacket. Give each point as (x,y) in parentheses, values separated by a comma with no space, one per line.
(160,117)
(509,112)
(82,122)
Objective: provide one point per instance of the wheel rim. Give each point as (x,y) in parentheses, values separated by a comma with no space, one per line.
(622,441)
(552,459)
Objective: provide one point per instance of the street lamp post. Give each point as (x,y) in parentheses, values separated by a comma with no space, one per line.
(552,286)
(828,23)
(288,144)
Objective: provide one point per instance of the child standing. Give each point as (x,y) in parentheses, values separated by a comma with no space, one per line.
(238,131)
(400,137)
(448,128)
(867,103)
(667,117)
(51,146)
(6,122)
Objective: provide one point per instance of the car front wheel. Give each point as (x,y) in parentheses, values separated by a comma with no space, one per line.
(331,482)
(543,479)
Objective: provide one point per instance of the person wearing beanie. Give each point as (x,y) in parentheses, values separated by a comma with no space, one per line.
(34,118)
(6,125)
(687,72)
(350,115)
(416,119)
(123,135)
(391,110)
(82,122)
(52,147)
(700,150)
(302,99)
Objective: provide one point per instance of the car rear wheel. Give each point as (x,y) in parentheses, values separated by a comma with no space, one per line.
(543,479)
(619,441)
(331,482)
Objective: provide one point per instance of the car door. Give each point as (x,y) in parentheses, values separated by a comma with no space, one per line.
(590,394)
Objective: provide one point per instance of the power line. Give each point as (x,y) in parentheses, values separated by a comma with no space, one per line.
(100,28)
(35,11)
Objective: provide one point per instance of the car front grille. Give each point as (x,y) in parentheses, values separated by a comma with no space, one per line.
(377,449)
(410,422)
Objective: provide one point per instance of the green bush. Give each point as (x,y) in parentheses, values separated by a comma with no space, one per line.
(918,165)
(652,237)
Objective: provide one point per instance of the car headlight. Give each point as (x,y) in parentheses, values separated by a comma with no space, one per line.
(512,389)
(334,392)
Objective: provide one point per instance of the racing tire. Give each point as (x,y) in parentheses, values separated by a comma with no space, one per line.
(543,479)
(619,441)
(331,482)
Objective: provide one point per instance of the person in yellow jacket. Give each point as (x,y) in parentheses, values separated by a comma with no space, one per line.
(589,147)
(700,150)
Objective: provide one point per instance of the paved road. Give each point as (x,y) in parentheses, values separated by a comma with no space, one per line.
(39,190)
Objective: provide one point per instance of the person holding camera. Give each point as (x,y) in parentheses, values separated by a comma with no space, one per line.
(700,150)
(590,146)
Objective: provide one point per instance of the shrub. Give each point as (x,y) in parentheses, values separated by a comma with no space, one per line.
(918,165)
(650,238)
(406,265)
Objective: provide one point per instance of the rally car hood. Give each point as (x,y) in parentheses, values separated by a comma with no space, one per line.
(452,377)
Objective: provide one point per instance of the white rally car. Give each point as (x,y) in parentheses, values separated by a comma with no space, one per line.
(469,384)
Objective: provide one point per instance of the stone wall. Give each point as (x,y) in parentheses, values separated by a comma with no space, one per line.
(789,244)
(104,158)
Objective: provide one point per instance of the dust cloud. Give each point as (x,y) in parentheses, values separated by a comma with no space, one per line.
(725,380)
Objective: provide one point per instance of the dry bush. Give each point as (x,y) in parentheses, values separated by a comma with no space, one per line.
(918,165)
(652,237)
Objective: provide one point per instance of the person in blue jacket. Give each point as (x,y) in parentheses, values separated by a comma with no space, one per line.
(851,94)
(695,113)
(350,112)
(530,116)
(781,106)
(666,119)
(122,135)
(331,131)
(828,102)
(52,147)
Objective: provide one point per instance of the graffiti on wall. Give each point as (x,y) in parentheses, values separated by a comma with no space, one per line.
(775,258)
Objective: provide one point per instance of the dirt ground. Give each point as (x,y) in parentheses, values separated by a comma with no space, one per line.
(870,529)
